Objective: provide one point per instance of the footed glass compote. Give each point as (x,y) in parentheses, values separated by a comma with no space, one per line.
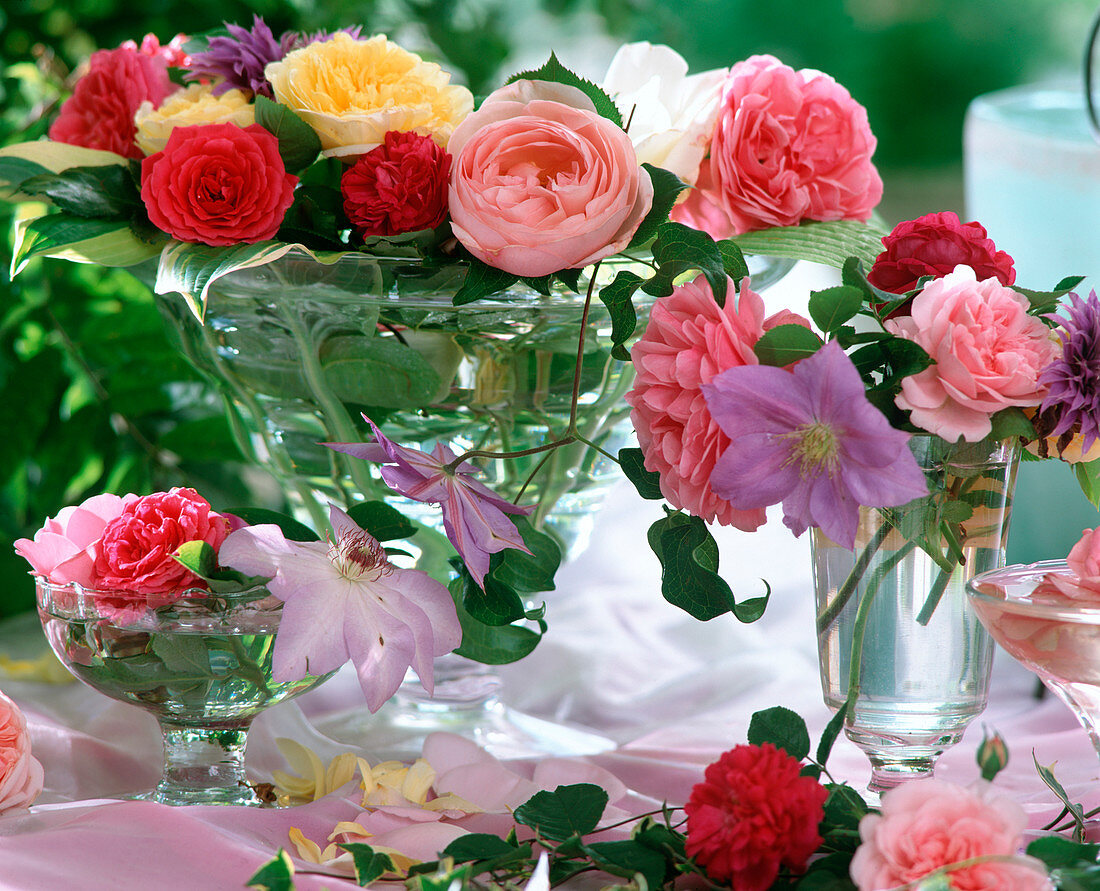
(201,665)
(1054,635)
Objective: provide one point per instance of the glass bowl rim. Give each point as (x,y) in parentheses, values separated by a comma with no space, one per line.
(1066,611)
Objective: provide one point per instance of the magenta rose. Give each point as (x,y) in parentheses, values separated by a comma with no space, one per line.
(20,773)
(100,112)
(63,550)
(400,186)
(542,183)
(987,351)
(136,554)
(933,245)
(788,146)
(929,824)
(218,184)
(688,340)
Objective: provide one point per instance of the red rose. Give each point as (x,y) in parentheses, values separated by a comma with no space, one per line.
(934,245)
(218,184)
(753,812)
(400,186)
(100,112)
(135,554)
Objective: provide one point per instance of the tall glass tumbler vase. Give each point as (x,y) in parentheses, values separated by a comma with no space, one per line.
(896,638)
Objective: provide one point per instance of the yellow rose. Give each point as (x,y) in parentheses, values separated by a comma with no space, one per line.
(188,107)
(352,92)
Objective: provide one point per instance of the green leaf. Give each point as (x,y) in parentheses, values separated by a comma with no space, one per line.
(617,297)
(565,812)
(1043,302)
(275,875)
(829,243)
(103,242)
(298,144)
(291,528)
(627,858)
(528,573)
(647,482)
(477,846)
(481,281)
(496,604)
(733,260)
(832,307)
(1046,774)
(689,571)
(783,728)
(785,344)
(844,807)
(1088,478)
(90,192)
(378,371)
(382,521)
(956,512)
(490,644)
(1011,422)
(666,187)
(904,357)
(554,72)
(1061,853)
(370,865)
(198,556)
(22,160)
(831,732)
(679,248)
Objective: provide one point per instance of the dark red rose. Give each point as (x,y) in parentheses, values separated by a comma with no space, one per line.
(100,112)
(218,184)
(400,186)
(934,245)
(752,813)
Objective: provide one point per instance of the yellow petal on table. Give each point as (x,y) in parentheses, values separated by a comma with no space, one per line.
(47,668)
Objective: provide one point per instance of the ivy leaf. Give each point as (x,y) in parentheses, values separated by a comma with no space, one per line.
(565,812)
(734,260)
(298,144)
(528,573)
(832,307)
(481,281)
(382,521)
(554,72)
(291,528)
(785,344)
(275,875)
(679,248)
(370,865)
(617,297)
(488,643)
(666,187)
(106,192)
(783,728)
(647,482)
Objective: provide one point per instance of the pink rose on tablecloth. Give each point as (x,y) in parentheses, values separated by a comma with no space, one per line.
(688,340)
(788,146)
(20,773)
(928,824)
(541,182)
(934,245)
(63,550)
(100,112)
(218,184)
(988,354)
(135,555)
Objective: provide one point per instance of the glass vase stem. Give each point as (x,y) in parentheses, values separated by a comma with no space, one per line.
(203,765)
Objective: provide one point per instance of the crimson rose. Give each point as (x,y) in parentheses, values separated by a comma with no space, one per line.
(752,813)
(218,184)
(100,112)
(399,186)
(934,245)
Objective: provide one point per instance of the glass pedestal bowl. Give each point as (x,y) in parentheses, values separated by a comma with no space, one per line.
(201,665)
(1055,636)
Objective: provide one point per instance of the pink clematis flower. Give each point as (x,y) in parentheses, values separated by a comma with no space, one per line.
(473,514)
(343,599)
(809,438)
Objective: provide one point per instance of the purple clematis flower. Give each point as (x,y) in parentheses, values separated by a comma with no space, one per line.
(809,438)
(473,514)
(343,599)
(241,58)
(1074,377)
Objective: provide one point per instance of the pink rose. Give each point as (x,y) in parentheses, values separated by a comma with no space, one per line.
(928,824)
(1084,560)
(100,112)
(20,773)
(63,550)
(788,146)
(988,354)
(542,183)
(135,555)
(688,340)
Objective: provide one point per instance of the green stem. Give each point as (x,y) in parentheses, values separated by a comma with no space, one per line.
(829,614)
(935,594)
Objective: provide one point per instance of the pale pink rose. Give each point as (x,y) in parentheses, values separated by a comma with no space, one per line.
(135,555)
(1084,560)
(688,340)
(20,773)
(927,824)
(63,550)
(788,146)
(987,351)
(540,182)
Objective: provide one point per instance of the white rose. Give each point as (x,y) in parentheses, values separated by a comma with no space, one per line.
(672,115)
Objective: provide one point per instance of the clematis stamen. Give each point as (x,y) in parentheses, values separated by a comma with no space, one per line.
(815,449)
(355,554)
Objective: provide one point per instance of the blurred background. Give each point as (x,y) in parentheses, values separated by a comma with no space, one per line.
(91,397)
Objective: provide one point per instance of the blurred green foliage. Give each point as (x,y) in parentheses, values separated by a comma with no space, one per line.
(93,399)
